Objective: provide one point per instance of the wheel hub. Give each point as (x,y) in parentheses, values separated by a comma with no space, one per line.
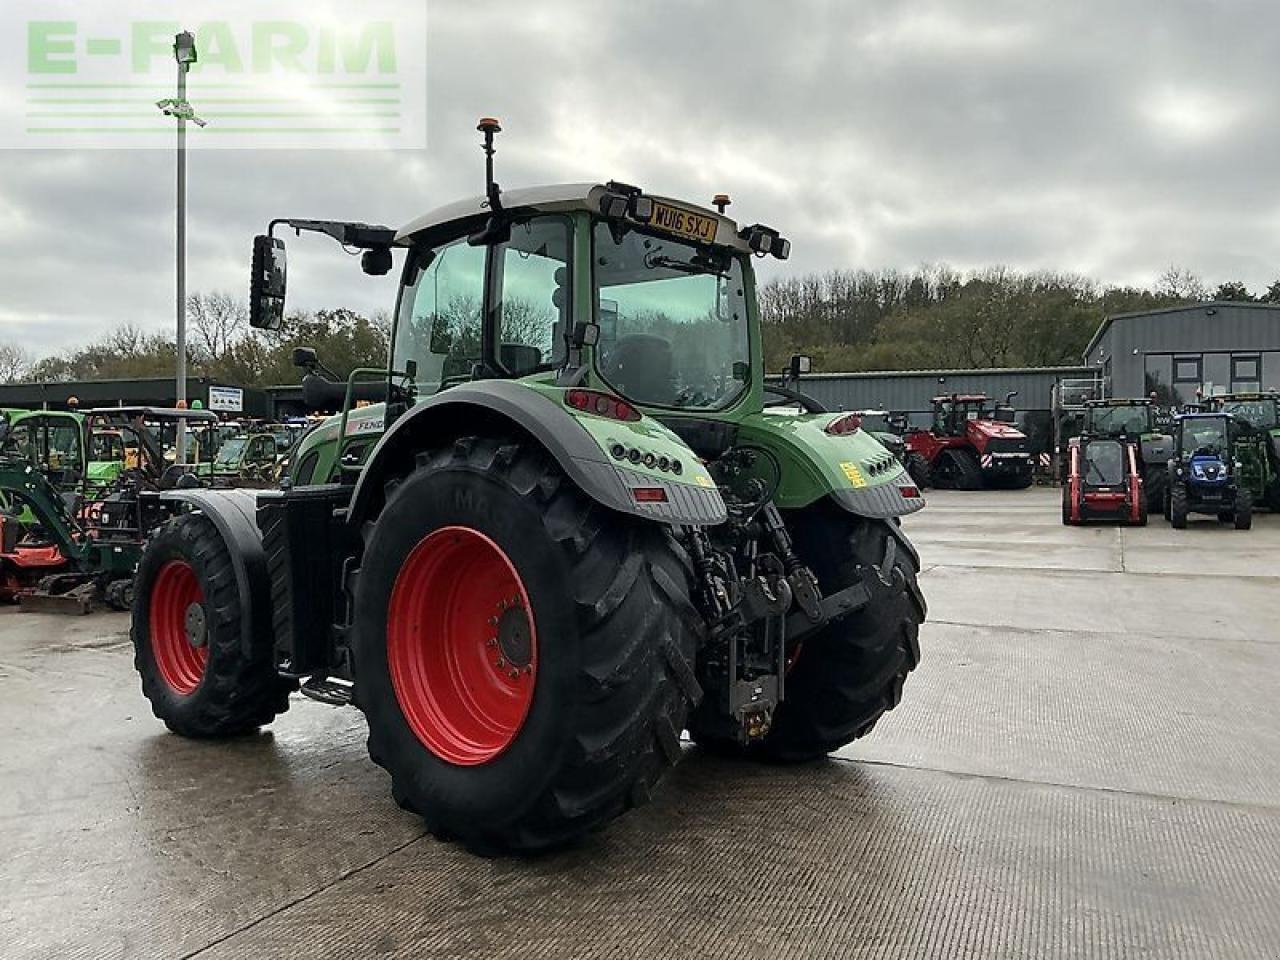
(193,624)
(515,640)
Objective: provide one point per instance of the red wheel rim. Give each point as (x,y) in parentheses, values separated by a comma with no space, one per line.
(175,625)
(461,646)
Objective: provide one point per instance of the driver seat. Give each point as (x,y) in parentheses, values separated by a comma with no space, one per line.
(642,366)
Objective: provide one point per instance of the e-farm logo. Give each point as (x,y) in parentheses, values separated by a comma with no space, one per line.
(270,73)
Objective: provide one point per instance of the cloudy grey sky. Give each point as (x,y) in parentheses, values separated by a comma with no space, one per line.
(1108,138)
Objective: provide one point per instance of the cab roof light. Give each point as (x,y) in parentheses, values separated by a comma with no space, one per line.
(765,240)
(623,199)
(601,404)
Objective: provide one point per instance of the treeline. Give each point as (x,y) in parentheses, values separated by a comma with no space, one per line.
(847,320)
(937,318)
(220,344)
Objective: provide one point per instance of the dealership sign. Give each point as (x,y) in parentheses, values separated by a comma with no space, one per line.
(226,399)
(281,74)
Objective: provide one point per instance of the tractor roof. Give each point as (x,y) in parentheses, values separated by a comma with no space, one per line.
(554,198)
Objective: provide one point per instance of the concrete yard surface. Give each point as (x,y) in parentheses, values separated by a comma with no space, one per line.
(1085,764)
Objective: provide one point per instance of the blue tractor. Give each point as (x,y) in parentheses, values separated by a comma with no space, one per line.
(1203,473)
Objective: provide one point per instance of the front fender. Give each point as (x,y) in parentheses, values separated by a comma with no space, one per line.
(233,514)
(579,443)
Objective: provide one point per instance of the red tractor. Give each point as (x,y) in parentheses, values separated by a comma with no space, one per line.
(1104,479)
(972,444)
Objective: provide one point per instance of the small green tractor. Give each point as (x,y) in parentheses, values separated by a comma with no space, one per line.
(565,530)
(1256,419)
(1205,472)
(244,460)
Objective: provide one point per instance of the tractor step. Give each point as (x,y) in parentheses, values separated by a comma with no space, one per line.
(336,693)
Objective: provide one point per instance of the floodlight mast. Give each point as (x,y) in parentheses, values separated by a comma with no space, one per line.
(184,52)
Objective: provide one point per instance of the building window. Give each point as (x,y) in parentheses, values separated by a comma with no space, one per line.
(1186,369)
(1245,369)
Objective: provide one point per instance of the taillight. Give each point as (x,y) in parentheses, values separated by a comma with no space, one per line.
(911,493)
(601,404)
(649,494)
(842,426)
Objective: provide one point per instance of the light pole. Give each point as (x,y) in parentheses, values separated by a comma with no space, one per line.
(184,52)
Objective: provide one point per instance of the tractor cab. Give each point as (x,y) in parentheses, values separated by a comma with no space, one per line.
(1204,471)
(952,415)
(1119,418)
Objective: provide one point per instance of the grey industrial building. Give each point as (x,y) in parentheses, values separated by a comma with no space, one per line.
(1186,352)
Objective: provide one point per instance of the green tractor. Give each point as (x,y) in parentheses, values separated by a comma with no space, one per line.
(1256,419)
(244,460)
(567,529)
(1134,421)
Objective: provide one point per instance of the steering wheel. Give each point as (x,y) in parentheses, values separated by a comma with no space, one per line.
(807,403)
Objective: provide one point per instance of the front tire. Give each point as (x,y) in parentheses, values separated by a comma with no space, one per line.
(601,636)
(186,631)
(1178,507)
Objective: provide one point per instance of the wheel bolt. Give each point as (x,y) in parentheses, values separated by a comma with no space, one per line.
(514,674)
(492,641)
(502,662)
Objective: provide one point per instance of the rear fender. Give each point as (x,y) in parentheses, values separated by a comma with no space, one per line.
(579,447)
(233,514)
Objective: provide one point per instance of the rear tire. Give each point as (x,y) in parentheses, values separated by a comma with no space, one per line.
(1155,480)
(1178,506)
(847,675)
(186,588)
(605,601)
(1244,510)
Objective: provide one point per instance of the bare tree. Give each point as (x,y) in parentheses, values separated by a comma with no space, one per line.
(15,362)
(217,321)
(1181,284)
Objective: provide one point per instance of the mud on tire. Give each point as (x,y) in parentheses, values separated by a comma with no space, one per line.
(222,691)
(614,635)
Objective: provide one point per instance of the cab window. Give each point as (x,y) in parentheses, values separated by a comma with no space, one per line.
(441,307)
(531,297)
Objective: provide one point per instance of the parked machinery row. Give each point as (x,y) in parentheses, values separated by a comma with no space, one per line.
(1219,459)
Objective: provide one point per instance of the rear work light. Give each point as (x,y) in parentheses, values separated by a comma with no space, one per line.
(843,426)
(649,494)
(601,404)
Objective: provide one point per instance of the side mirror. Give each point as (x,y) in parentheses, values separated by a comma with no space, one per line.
(305,357)
(267,284)
(799,364)
(376,262)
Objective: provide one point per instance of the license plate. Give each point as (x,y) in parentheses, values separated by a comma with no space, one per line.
(682,223)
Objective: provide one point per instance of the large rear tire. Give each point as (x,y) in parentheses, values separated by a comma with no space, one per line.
(1244,510)
(847,675)
(1155,481)
(186,631)
(487,562)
